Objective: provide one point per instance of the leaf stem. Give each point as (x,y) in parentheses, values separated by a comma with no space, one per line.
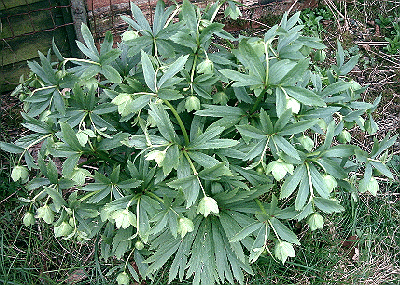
(258,101)
(178,118)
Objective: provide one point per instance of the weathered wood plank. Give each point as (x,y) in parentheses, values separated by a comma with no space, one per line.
(9,77)
(8,4)
(22,20)
(26,47)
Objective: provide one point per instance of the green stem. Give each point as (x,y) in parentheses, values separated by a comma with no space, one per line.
(192,73)
(180,122)
(258,101)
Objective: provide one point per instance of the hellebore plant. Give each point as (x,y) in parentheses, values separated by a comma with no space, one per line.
(189,148)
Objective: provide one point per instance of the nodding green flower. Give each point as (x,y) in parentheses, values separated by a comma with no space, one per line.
(63,230)
(306,142)
(123,278)
(129,35)
(46,214)
(139,245)
(279,169)
(192,103)
(330,181)
(283,250)
(156,155)
(29,219)
(293,104)
(315,221)
(124,218)
(20,173)
(185,226)
(206,67)
(207,206)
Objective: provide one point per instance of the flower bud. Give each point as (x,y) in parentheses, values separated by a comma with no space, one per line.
(344,137)
(29,219)
(320,55)
(206,206)
(46,214)
(315,221)
(123,278)
(306,142)
(185,226)
(139,245)
(192,103)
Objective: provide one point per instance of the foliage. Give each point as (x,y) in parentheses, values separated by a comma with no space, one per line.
(177,156)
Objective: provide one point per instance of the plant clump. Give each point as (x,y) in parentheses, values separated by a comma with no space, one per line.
(177,156)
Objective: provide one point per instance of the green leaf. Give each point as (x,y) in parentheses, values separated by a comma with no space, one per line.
(189,15)
(164,125)
(284,232)
(87,36)
(148,71)
(111,74)
(173,69)
(335,88)
(296,73)
(58,200)
(140,18)
(69,137)
(52,172)
(250,131)
(12,148)
(318,182)
(245,232)
(285,146)
(328,206)
(382,168)
(240,79)
(305,96)
(215,172)
(190,187)
(297,127)
(292,181)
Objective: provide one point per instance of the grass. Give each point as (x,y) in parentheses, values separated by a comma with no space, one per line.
(358,246)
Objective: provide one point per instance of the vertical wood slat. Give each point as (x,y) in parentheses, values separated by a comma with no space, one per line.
(79,16)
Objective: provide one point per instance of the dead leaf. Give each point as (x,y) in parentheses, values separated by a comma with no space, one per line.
(76,276)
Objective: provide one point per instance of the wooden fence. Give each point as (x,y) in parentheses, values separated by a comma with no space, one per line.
(28,26)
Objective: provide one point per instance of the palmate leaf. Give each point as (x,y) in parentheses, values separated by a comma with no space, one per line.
(207,245)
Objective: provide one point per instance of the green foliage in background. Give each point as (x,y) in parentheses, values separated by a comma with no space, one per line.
(177,156)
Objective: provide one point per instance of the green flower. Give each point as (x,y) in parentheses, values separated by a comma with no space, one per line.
(29,219)
(283,250)
(124,218)
(279,169)
(330,181)
(46,214)
(192,103)
(306,142)
(207,206)
(185,226)
(139,245)
(315,221)
(20,173)
(63,230)
(206,67)
(123,278)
